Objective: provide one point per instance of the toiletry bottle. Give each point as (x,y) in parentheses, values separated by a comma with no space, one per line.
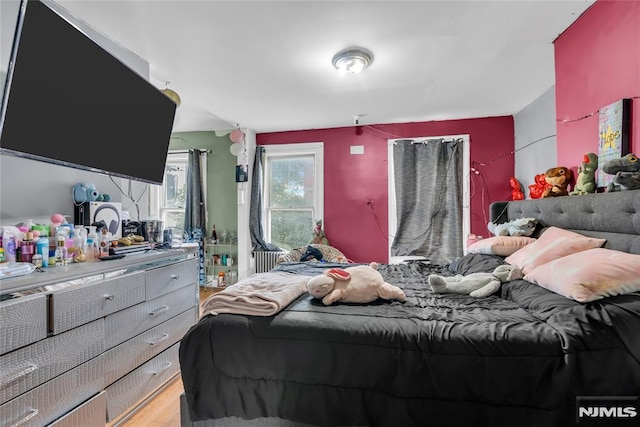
(103,243)
(42,248)
(93,236)
(27,250)
(91,250)
(10,254)
(61,252)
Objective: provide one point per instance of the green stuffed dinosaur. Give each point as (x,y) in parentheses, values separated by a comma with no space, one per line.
(586,182)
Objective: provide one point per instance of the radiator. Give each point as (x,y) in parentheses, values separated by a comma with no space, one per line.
(266,260)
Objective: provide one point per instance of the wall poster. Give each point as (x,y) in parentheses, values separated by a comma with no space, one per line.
(614,128)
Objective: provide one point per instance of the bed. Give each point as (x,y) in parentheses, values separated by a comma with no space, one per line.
(524,354)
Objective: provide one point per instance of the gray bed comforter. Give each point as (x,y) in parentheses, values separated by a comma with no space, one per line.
(438,360)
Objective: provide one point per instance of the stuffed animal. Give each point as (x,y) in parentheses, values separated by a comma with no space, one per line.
(586,182)
(559,178)
(536,190)
(362,283)
(477,285)
(318,234)
(627,171)
(517,227)
(516,189)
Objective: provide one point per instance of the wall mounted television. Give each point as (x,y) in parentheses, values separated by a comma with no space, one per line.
(68,101)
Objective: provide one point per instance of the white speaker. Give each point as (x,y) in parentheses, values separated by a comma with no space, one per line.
(110,212)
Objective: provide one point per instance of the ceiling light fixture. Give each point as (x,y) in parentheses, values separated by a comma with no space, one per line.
(352,60)
(172,94)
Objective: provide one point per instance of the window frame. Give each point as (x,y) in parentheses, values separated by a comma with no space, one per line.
(157,206)
(315,149)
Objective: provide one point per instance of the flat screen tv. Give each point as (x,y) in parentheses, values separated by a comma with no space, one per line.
(68,101)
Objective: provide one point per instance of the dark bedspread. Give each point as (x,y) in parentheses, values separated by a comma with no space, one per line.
(434,360)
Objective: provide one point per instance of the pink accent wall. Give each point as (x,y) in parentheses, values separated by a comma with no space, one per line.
(597,62)
(361,231)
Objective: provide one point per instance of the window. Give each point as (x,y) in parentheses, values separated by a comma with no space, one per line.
(169,199)
(293,193)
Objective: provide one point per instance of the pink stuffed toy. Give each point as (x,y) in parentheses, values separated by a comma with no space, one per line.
(362,283)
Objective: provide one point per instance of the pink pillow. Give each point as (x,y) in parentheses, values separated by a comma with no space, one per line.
(590,275)
(553,244)
(500,245)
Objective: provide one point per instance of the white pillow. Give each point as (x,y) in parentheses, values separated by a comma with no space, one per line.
(500,245)
(589,275)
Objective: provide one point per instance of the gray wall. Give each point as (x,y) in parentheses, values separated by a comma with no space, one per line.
(35,190)
(535,121)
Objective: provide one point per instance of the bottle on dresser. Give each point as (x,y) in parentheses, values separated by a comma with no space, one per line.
(61,252)
(10,250)
(214,235)
(103,243)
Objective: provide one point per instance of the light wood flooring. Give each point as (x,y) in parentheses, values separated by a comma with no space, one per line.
(164,409)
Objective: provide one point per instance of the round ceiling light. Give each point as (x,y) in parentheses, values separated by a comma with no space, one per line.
(352,60)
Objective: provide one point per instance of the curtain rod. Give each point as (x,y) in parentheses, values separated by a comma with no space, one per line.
(442,140)
(201,150)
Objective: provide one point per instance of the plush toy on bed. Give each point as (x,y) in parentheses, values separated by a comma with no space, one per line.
(627,173)
(540,185)
(318,234)
(559,179)
(517,227)
(586,182)
(477,285)
(362,283)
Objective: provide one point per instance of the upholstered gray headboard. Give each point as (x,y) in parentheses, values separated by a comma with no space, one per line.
(612,216)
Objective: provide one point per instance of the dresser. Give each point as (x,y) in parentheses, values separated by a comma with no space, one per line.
(85,344)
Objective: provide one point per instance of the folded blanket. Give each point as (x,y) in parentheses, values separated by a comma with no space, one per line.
(263,294)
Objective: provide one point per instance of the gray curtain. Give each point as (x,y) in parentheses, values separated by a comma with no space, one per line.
(255,209)
(194,214)
(428,184)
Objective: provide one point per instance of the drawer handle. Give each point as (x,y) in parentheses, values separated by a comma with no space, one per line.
(32,413)
(175,277)
(164,337)
(7,379)
(159,310)
(108,297)
(164,368)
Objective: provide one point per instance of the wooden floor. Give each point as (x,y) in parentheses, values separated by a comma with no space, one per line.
(164,409)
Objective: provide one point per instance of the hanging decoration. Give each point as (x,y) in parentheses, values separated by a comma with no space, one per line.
(238,149)
(237,136)
(171,94)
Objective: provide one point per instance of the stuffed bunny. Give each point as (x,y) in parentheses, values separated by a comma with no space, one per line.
(361,283)
(477,285)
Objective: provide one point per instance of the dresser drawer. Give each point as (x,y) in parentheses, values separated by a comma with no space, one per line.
(134,387)
(129,355)
(55,398)
(167,279)
(128,323)
(82,304)
(92,413)
(30,366)
(22,321)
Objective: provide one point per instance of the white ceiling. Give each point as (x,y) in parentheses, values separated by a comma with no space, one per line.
(266,65)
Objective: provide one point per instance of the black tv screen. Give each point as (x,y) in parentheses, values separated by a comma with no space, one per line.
(70,102)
